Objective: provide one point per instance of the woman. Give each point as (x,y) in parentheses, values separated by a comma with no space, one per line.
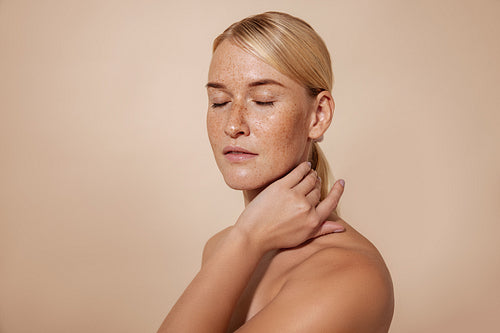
(289,263)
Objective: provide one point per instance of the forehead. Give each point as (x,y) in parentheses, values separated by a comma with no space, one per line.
(231,64)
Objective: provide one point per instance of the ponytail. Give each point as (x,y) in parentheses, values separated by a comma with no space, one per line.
(320,164)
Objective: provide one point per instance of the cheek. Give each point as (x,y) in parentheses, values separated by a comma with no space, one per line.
(213,127)
(285,133)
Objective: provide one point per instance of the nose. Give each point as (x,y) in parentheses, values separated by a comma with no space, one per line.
(236,122)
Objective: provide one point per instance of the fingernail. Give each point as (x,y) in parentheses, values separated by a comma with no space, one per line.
(339,230)
(342,182)
(319,178)
(310,164)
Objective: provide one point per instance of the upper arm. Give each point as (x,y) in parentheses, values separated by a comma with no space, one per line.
(353,297)
(211,244)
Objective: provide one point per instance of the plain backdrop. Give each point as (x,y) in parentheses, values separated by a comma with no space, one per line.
(109,190)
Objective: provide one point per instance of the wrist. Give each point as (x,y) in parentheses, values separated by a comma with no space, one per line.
(250,242)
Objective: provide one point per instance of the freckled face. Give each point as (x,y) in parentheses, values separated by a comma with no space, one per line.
(258,119)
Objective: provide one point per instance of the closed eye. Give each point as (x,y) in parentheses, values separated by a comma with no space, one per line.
(218,105)
(264,103)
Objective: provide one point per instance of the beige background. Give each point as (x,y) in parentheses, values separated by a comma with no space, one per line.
(108,187)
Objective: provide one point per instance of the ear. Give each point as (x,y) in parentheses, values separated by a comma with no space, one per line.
(321,116)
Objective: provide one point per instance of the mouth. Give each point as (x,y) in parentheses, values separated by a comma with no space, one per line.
(237,154)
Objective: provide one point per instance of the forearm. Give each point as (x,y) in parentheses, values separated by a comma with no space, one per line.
(207,303)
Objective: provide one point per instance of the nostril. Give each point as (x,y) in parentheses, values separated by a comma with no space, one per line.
(236,124)
(235,130)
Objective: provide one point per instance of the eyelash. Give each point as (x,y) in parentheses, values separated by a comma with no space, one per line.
(219,105)
(264,103)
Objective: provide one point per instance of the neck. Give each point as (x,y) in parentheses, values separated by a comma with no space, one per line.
(249,195)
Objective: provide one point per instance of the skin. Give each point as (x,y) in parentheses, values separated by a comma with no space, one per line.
(288,264)
(240,114)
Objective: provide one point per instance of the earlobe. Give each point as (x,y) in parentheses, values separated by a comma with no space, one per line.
(321,116)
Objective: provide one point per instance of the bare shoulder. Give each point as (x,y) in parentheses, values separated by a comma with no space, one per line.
(343,287)
(348,274)
(347,251)
(347,277)
(212,242)
(334,283)
(340,284)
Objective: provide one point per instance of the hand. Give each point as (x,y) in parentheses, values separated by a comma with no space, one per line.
(289,212)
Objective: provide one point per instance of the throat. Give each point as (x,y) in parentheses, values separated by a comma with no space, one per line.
(249,195)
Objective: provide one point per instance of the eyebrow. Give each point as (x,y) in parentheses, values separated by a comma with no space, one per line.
(251,84)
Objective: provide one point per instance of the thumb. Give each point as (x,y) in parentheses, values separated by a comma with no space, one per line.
(329,227)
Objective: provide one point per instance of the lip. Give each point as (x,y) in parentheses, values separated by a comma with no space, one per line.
(237,154)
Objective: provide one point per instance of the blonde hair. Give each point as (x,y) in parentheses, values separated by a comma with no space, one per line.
(292,47)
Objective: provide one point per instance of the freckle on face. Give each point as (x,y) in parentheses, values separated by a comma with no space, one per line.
(278,134)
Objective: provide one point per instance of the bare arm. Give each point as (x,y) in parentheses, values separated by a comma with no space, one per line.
(206,305)
(284,215)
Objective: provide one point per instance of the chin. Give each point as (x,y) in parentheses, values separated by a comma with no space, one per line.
(245,183)
(247,180)
(254,174)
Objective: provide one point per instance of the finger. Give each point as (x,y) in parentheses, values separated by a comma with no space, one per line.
(329,227)
(328,204)
(296,175)
(315,195)
(307,184)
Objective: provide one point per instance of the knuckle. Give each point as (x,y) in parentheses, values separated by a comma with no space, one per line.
(312,179)
(303,206)
(312,220)
(315,196)
(295,195)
